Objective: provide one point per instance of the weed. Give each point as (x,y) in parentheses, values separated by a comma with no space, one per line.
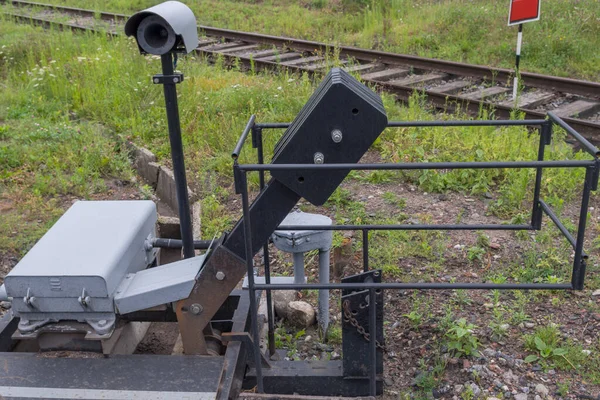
(461,338)
(549,349)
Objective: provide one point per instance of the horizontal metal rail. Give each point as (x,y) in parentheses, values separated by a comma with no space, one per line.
(442,124)
(421,165)
(408,227)
(405,286)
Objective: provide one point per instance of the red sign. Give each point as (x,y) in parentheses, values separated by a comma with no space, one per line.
(523,11)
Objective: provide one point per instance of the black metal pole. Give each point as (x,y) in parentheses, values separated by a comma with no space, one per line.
(365,238)
(257,142)
(183,201)
(536,214)
(251,286)
(579,261)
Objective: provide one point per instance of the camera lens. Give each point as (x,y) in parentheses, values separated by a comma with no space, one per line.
(155,35)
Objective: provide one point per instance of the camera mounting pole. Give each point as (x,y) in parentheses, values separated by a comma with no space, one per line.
(169,79)
(167,29)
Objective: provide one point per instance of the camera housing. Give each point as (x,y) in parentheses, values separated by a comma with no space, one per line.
(165,28)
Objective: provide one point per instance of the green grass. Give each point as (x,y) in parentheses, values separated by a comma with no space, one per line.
(564,42)
(95,84)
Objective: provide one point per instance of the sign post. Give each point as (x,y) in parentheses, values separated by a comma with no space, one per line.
(521,11)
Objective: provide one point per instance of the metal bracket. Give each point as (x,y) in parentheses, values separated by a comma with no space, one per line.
(354,346)
(84,299)
(161,79)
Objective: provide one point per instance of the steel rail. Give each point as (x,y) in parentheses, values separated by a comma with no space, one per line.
(446,102)
(555,83)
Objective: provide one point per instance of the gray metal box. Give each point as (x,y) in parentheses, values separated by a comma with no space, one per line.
(91,247)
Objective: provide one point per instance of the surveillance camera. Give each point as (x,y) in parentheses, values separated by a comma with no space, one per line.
(164,28)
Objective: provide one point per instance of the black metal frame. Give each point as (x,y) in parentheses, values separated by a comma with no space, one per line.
(539,208)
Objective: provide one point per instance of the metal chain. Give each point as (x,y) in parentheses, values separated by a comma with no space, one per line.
(361,330)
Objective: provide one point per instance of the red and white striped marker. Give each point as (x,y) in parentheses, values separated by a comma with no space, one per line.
(522,11)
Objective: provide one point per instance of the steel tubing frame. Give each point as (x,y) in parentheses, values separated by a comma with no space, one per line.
(539,208)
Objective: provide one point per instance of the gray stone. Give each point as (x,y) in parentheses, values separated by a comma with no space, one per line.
(529,325)
(521,396)
(489,352)
(281,300)
(537,397)
(541,390)
(301,314)
(458,389)
(476,390)
(510,377)
(596,292)
(5,305)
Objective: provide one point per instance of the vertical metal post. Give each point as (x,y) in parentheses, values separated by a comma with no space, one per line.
(299,276)
(372,343)
(324,293)
(517,61)
(250,267)
(579,262)
(365,240)
(257,133)
(536,213)
(258,144)
(183,201)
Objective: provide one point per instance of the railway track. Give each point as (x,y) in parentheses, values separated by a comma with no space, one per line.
(448,85)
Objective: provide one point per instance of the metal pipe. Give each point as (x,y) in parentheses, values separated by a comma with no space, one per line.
(324,294)
(178,244)
(420,165)
(579,261)
(536,213)
(251,285)
(405,286)
(183,201)
(416,227)
(590,148)
(238,147)
(299,276)
(416,124)
(563,229)
(365,247)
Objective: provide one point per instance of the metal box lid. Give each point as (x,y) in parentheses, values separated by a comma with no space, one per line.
(92,246)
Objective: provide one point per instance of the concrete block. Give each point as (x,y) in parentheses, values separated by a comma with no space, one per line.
(168,227)
(166,189)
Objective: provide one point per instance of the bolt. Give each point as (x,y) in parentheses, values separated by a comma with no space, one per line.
(336,135)
(196,308)
(319,158)
(220,275)
(156,80)
(102,322)
(175,80)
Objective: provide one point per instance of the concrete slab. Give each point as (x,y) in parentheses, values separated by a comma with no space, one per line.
(452,87)
(416,80)
(486,93)
(385,74)
(578,109)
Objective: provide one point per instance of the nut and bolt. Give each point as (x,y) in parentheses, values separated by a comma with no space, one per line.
(196,308)
(336,135)
(220,275)
(156,80)
(319,158)
(102,322)
(175,80)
